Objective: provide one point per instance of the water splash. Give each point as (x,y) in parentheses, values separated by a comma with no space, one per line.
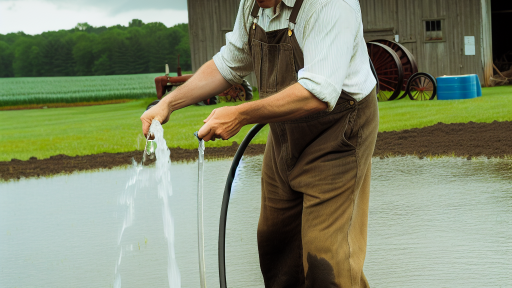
(141,179)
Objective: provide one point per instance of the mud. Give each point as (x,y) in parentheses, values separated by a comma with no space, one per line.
(460,140)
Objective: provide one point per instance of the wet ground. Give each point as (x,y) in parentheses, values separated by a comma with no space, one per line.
(460,140)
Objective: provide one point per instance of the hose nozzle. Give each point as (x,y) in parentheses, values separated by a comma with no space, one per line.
(197,136)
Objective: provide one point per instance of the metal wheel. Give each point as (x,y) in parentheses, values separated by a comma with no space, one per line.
(240,92)
(389,70)
(422,86)
(237,94)
(408,61)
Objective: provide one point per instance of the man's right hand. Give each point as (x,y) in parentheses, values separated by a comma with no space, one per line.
(159,112)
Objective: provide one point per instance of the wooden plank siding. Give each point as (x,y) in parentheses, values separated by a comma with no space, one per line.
(459,18)
(209,21)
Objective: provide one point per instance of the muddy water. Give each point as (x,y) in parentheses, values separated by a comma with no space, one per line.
(433,223)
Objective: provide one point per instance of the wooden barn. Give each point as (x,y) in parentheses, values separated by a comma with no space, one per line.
(447,37)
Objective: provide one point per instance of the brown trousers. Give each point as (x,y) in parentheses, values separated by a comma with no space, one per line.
(315,195)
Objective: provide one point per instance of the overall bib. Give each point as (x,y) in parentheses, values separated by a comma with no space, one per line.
(315,177)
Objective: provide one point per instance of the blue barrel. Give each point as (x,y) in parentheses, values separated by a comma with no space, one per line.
(458,87)
(478,85)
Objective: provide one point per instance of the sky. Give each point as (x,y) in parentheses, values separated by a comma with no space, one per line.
(37,16)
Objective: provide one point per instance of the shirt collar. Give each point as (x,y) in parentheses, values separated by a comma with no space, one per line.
(270,11)
(289,3)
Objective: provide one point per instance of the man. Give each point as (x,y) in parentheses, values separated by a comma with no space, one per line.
(318,94)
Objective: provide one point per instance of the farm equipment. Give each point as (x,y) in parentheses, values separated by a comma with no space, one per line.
(164,84)
(504,62)
(397,71)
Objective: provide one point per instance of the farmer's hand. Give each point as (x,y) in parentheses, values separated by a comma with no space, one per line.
(159,112)
(222,123)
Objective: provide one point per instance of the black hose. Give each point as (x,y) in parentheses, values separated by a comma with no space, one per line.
(152,104)
(225,202)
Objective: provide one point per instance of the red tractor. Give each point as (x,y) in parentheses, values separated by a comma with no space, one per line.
(164,84)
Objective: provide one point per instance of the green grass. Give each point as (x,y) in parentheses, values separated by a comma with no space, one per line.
(117,128)
(46,90)
(494,105)
(96,129)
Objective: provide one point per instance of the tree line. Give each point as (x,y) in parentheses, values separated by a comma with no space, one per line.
(86,50)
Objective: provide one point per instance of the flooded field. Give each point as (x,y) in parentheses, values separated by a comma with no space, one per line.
(433,223)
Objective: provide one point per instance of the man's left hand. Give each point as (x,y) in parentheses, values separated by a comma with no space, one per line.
(223,123)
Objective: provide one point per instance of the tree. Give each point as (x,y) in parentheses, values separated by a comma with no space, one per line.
(83,54)
(6,60)
(183,49)
(137,52)
(136,23)
(64,61)
(22,65)
(35,61)
(83,27)
(87,50)
(102,66)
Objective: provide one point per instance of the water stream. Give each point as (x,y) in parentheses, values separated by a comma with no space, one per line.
(200,219)
(143,180)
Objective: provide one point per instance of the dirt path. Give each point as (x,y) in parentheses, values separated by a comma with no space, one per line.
(461,140)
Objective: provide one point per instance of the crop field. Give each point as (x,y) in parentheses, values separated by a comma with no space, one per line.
(47,90)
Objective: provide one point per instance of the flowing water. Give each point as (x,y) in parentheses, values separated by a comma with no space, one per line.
(433,223)
(200,217)
(146,180)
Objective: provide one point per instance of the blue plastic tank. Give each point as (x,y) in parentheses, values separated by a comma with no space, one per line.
(458,87)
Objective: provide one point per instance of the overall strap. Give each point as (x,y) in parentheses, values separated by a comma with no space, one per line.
(255,10)
(295,11)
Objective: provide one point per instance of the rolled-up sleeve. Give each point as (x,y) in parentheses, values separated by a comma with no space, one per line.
(234,60)
(329,37)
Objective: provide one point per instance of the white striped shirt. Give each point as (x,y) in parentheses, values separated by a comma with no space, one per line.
(330,34)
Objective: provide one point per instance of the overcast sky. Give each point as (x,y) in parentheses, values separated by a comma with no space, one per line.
(36,16)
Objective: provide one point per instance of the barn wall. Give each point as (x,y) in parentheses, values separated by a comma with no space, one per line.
(209,21)
(461,18)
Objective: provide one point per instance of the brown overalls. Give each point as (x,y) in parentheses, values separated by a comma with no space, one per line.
(315,177)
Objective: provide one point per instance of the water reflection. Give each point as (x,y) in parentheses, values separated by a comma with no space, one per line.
(433,223)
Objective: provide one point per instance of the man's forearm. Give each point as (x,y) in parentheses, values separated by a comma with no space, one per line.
(206,83)
(292,103)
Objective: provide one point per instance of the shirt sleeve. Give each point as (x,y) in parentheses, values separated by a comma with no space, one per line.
(234,60)
(329,39)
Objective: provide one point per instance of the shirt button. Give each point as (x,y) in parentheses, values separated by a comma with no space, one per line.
(351,102)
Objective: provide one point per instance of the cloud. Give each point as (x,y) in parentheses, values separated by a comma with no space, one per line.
(117,6)
(36,16)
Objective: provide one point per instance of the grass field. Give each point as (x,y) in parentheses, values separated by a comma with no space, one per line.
(494,105)
(46,90)
(117,128)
